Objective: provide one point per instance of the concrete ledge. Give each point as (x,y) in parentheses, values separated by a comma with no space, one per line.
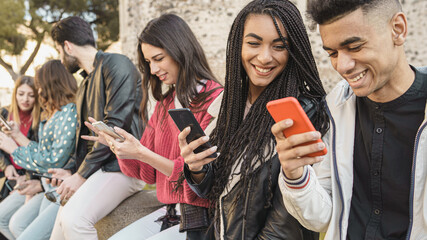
(130,210)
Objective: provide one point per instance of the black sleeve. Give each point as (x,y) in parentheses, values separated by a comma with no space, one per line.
(281,225)
(203,188)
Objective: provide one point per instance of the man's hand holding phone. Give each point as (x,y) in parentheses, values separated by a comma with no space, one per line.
(298,142)
(292,155)
(57,175)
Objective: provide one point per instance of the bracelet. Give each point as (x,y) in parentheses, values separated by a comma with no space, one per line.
(203,170)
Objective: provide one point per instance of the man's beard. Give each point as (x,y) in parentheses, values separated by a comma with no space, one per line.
(71,63)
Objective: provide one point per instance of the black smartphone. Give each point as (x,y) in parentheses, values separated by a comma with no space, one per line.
(183,117)
(45,175)
(10,184)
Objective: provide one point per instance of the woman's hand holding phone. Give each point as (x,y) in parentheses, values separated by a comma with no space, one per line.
(130,148)
(195,161)
(11,129)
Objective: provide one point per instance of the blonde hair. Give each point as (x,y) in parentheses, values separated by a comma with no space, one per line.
(14,108)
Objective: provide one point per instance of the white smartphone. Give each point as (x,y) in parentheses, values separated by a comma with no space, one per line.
(4,122)
(101,126)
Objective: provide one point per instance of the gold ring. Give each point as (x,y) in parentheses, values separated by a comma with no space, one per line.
(112,147)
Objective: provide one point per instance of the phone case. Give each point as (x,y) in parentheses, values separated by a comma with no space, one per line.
(45,175)
(101,126)
(290,108)
(183,117)
(10,184)
(3,120)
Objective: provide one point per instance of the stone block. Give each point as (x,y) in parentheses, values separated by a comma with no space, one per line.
(130,210)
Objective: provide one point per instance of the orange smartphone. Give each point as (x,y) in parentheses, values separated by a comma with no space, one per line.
(290,108)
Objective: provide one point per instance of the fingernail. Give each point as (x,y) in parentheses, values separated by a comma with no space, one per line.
(205,138)
(319,159)
(288,122)
(321,146)
(213,149)
(187,129)
(315,135)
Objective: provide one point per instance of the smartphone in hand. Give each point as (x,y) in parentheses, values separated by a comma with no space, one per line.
(45,175)
(10,184)
(183,117)
(4,122)
(290,108)
(101,126)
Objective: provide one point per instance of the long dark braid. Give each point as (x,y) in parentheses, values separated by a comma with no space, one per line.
(249,140)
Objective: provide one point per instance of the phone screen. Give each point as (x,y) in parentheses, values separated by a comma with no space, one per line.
(183,117)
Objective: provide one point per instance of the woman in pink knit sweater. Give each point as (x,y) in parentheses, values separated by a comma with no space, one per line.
(169,54)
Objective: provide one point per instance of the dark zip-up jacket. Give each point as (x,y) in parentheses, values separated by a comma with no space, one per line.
(110,93)
(249,219)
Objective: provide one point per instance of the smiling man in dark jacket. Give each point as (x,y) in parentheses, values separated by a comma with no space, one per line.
(110,92)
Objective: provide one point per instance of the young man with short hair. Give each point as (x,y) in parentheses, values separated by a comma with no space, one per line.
(372,182)
(110,92)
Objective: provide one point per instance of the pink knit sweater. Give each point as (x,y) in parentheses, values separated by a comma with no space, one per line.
(163,140)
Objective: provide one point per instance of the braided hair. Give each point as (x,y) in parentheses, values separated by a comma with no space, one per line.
(248,140)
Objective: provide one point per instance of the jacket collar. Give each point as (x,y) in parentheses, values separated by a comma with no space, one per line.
(98,56)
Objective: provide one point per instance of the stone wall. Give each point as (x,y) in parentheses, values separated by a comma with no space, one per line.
(211,20)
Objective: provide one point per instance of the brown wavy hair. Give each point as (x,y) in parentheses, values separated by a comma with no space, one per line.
(56,85)
(14,108)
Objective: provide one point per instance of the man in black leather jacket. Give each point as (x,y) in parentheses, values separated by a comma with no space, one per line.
(110,92)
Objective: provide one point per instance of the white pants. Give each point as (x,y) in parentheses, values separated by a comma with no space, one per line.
(147,228)
(97,197)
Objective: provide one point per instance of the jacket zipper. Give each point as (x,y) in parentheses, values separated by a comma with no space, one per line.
(246,208)
(411,193)
(336,167)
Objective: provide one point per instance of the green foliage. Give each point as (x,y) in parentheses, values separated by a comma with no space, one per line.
(23,20)
(12,14)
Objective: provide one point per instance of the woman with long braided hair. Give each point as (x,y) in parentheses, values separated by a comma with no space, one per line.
(268,57)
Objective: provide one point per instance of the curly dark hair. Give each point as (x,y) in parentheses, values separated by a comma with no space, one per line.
(248,140)
(325,11)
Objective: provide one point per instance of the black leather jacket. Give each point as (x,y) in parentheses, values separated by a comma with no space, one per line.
(110,93)
(249,219)
(4,157)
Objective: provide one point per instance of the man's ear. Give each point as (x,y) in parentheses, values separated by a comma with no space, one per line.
(68,47)
(399,26)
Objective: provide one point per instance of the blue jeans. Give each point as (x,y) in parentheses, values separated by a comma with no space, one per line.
(8,207)
(25,215)
(41,227)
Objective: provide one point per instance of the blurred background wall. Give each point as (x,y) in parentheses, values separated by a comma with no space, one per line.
(211,20)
